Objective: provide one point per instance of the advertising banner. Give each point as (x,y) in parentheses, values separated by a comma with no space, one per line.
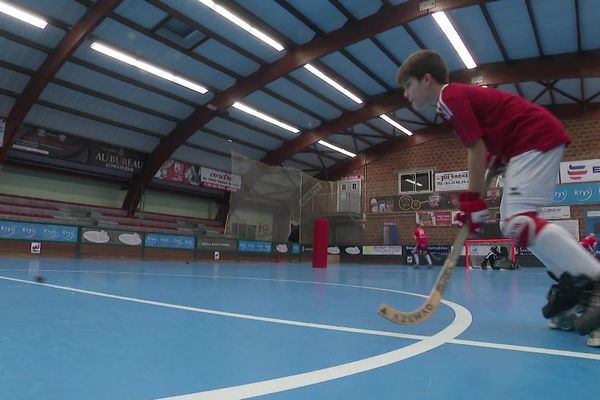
(382,250)
(217,244)
(180,172)
(426,201)
(351,250)
(295,248)
(448,181)
(579,193)
(51,144)
(557,212)
(107,236)
(111,157)
(220,180)
(580,171)
(255,246)
(434,218)
(169,241)
(438,253)
(38,232)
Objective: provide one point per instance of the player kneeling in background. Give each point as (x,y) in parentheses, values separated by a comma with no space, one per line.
(491,258)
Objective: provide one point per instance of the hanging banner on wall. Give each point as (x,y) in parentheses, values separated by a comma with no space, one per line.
(220,180)
(39,232)
(438,253)
(447,181)
(72,148)
(434,218)
(118,158)
(580,171)
(426,201)
(255,246)
(382,250)
(557,212)
(107,236)
(169,241)
(580,193)
(180,172)
(51,144)
(217,244)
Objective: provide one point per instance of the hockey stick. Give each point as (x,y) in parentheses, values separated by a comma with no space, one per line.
(433,301)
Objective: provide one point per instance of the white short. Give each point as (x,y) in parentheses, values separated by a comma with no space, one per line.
(529,181)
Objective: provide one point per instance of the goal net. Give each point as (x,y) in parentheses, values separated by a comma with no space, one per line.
(503,251)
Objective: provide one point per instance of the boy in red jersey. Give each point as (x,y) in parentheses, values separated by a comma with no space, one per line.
(530,141)
(422,245)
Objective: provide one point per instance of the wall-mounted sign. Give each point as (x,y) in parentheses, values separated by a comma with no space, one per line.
(220,180)
(38,232)
(169,241)
(255,246)
(580,171)
(580,193)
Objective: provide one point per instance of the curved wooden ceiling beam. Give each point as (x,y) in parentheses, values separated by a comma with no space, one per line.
(385,19)
(55,60)
(576,65)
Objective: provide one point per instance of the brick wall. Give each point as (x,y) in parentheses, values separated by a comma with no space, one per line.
(446,153)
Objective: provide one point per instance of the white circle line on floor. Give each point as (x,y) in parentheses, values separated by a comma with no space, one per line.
(461,322)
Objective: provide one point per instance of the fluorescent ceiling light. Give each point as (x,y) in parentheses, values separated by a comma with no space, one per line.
(148,67)
(333,83)
(413,182)
(444,23)
(336,148)
(265,117)
(395,124)
(242,24)
(276,45)
(22,15)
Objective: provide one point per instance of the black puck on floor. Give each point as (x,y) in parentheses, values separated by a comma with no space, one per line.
(40,279)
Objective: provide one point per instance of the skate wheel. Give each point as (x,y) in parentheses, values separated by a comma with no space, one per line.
(566,324)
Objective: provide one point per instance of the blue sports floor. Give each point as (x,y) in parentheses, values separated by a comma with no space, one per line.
(156,330)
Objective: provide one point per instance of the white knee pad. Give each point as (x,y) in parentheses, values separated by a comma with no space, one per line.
(522,229)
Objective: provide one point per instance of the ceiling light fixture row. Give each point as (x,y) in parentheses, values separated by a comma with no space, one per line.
(22,15)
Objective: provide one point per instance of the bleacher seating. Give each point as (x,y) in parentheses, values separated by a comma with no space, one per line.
(30,209)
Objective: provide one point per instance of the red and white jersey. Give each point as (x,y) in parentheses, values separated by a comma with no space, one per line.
(508,124)
(420,236)
(588,242)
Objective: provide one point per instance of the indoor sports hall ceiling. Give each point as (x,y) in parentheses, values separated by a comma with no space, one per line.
(320,72)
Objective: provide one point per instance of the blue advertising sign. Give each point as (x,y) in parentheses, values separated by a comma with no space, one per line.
(38,232)
(577,193)
(296,248)
(255,246)
(169,241)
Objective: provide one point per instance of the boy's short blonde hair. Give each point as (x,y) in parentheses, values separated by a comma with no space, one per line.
(423,62)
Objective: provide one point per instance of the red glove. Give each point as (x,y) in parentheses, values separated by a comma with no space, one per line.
(473,211)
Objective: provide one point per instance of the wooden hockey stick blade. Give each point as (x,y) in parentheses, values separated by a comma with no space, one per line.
(433,301)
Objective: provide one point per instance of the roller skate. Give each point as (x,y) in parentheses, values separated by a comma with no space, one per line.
(589,322)
(564,320)
(565,301)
